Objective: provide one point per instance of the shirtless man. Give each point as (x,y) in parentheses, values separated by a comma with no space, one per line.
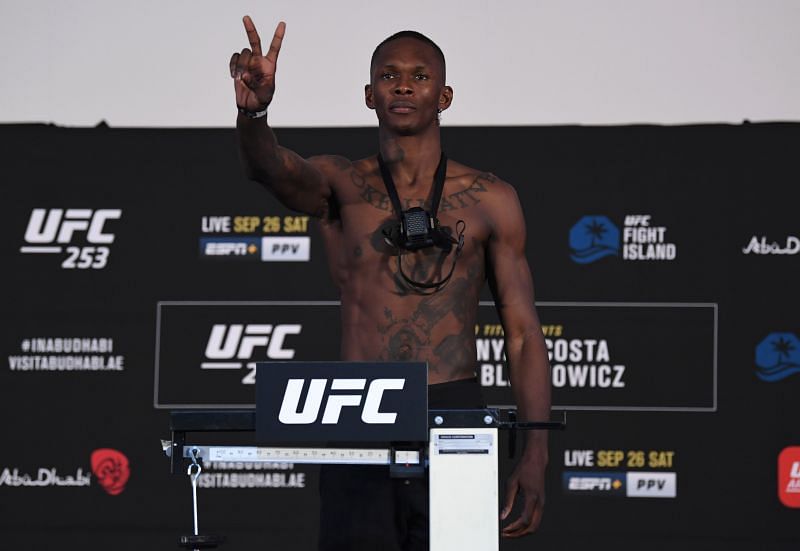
(384,316)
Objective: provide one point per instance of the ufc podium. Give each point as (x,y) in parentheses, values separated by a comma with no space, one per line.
(346,413)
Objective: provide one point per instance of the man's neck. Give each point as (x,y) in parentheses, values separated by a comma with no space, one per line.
(411,159)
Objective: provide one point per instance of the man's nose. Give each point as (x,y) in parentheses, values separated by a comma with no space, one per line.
(403,87)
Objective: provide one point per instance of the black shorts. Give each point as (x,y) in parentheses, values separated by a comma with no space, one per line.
(363,509)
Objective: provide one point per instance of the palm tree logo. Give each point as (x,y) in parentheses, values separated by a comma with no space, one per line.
(596,229)
(783,348)
(777,357)
(592,238)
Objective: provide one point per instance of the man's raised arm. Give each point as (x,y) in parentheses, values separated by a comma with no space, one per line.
(512,286)
(296,182)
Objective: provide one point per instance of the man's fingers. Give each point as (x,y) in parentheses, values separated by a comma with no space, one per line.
(515,529)
(522,522)
(537,518)
(511,494)
(234,60)
(252,35)
(527,522)
(242,62)
(523,526)
(275,45)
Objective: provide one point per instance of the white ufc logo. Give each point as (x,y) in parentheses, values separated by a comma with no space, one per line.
(370,412)
(56,226)
(239,341)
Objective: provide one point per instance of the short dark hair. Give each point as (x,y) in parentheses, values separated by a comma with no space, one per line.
(409,34)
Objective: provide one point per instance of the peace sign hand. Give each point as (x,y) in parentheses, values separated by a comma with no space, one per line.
(253,73)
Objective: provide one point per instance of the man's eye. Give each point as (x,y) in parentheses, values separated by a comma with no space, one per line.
(387,76)
(421,77)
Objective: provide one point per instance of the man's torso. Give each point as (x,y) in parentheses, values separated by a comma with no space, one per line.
(384,317)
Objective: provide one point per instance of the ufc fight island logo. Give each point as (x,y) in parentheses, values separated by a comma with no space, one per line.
(81,233)
(238,346)
(370,411)
(596,236)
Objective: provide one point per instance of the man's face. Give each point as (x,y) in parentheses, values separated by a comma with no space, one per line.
(407,86)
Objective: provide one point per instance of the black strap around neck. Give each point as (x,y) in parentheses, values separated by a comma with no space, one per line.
(438,186)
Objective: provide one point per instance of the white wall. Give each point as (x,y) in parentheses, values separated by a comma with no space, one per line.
(514,62)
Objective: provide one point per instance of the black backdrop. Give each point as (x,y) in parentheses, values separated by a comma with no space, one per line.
(694,337)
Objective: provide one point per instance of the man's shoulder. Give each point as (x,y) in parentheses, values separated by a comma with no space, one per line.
(495,199)
(336,167)
(341,162)
(469,178)
(331,162)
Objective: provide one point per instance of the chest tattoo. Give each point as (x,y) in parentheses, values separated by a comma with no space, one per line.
(464,198)
(410,338)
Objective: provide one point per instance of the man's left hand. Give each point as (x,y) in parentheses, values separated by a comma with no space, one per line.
(527,481)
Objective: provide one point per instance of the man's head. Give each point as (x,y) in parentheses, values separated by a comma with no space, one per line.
(407,83)
(415,36)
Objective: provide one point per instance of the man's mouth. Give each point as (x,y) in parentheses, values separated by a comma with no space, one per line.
(402,107)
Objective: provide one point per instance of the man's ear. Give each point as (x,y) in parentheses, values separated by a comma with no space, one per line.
(368,99)
(445,98)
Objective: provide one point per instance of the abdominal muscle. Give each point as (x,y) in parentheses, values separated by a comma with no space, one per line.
(437,329)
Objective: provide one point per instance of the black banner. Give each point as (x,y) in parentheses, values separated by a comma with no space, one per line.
(144,272)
